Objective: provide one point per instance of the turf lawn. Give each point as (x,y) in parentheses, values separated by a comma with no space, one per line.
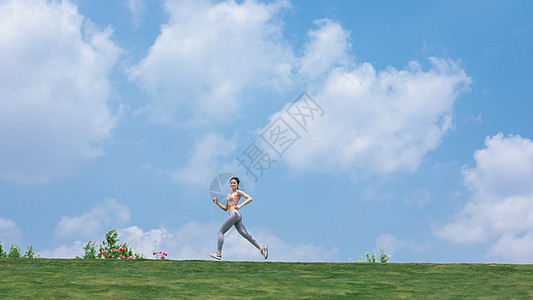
(149,279)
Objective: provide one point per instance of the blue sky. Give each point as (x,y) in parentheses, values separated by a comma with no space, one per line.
(120,115)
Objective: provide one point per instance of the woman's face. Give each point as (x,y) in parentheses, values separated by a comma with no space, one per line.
(233,183)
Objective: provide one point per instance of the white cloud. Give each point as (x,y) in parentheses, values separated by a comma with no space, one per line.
(9,230)
(203,162)
(136,8)
(91,223)
(65,251)
(328,47)
(191,241)
(504,168)
(208,55)
(374,122)
(393,244)
(280,250)
(54,92)
(142,242)
(500,210)
(378,122)
(514,248)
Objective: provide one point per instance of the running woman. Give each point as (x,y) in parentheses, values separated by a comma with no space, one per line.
(235,218)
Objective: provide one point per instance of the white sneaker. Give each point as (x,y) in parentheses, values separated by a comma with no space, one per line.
(215,256)
(265,252)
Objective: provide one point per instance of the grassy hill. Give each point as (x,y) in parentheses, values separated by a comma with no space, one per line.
(90,279)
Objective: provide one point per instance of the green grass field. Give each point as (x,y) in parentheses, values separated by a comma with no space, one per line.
(150,279)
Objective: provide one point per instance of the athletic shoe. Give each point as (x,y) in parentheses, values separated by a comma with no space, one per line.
(215,256)
(265,252)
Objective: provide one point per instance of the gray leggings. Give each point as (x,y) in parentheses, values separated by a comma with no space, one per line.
(235,218)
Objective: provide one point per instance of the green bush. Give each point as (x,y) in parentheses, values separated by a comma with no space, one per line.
(383,257)
(370,257)
(2,252)
(14,251)
(373,258)
(29,253)
(90,251)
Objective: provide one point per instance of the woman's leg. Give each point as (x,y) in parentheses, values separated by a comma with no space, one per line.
(230,221)
(242,230)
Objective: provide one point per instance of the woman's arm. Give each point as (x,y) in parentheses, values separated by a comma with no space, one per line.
(224,208)
(246,196)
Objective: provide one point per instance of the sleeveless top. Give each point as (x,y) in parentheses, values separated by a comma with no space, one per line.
(232,199)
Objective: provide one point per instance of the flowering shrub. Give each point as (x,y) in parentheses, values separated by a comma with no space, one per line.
(110,249)
(160,254)
(120,253)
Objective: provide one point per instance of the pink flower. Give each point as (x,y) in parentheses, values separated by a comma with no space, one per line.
(154,253)
(131,257)
(105,251)
(160,252)
(110,256)
(115,250)
(165,254)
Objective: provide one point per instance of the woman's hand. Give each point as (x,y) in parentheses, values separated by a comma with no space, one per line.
(238,207)
(215,200)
